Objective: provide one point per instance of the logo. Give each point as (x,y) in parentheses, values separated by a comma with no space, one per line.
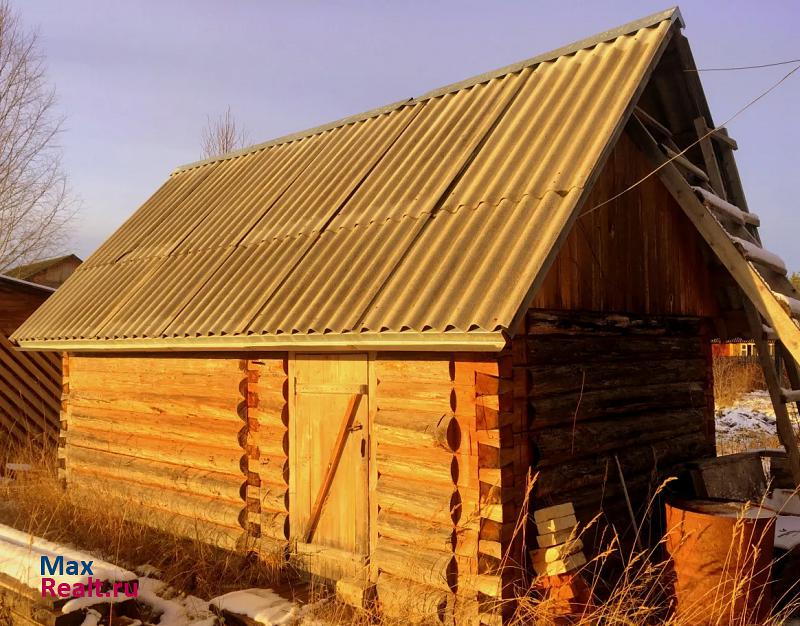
(53,586)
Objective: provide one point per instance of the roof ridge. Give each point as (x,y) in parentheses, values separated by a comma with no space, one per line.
(672,14)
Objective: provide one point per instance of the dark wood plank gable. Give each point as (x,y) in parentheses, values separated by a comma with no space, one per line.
(637,254)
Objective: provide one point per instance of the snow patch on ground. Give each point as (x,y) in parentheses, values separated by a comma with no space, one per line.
(262,605)
(21,558)
(175,609)
(753,412)
(92,618)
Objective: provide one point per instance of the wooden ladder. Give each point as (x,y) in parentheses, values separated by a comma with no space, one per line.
(713,197)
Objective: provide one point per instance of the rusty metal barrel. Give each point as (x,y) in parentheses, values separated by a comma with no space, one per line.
(722,556)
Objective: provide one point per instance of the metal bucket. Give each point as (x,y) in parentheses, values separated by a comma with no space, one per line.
(722,557)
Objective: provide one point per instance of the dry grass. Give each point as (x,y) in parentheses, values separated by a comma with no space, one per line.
(643,593)
(735,377)
(744,440)
(638,592)
(5,614)
(37,504)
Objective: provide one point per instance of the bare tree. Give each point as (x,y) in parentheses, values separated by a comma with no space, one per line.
(35,205)
(222,135)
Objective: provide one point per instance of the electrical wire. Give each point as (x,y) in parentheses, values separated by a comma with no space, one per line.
(743,67)
(691,145)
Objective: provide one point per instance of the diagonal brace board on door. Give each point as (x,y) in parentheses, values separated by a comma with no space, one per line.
(333,464)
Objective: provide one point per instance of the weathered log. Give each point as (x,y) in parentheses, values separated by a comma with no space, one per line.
(428,567)
(416,368)
(273,497)
(635,461)
(275,524)
(269,396)
(490,385)
(179,428)
(546,380)
(412,602)
(416,532)
(589,438)
(166,475)
(191,506)
(200,456)
(414,396)
(574,322)
(271,443)
(270,417)
(433,464)
(208,364)
(154,405)
(569,408)
(417,429)
(271,469)
(424,501)
(269,365)
(603,349)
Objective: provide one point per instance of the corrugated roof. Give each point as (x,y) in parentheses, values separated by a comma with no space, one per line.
(423,223)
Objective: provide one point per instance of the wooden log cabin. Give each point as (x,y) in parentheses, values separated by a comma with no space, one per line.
(30,382)
(355,343)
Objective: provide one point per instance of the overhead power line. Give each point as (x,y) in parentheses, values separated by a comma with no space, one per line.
(691,145)
(743,67)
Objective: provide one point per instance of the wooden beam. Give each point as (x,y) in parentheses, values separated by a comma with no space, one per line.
(720,135)
(758,255)
(333,464)
(791,304)
(710,157)
(652,122)
(725,208)
(748,279)
(782,422)
(790,395)
(685,163)
(730,171)
(792,368)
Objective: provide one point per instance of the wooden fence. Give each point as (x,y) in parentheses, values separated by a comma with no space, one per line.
(30,397)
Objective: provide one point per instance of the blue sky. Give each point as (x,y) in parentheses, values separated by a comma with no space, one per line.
(137,80)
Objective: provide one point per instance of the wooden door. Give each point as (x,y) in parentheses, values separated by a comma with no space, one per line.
(328,457)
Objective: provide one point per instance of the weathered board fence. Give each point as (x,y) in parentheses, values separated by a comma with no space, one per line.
(30,398)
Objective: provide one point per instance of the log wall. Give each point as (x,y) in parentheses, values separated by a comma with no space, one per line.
(164,435)
(602,387)
(438,426)
(267,446)
(200,444)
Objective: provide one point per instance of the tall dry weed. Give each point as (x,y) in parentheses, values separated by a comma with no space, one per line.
(735,377)
(37,503)
(629,586)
